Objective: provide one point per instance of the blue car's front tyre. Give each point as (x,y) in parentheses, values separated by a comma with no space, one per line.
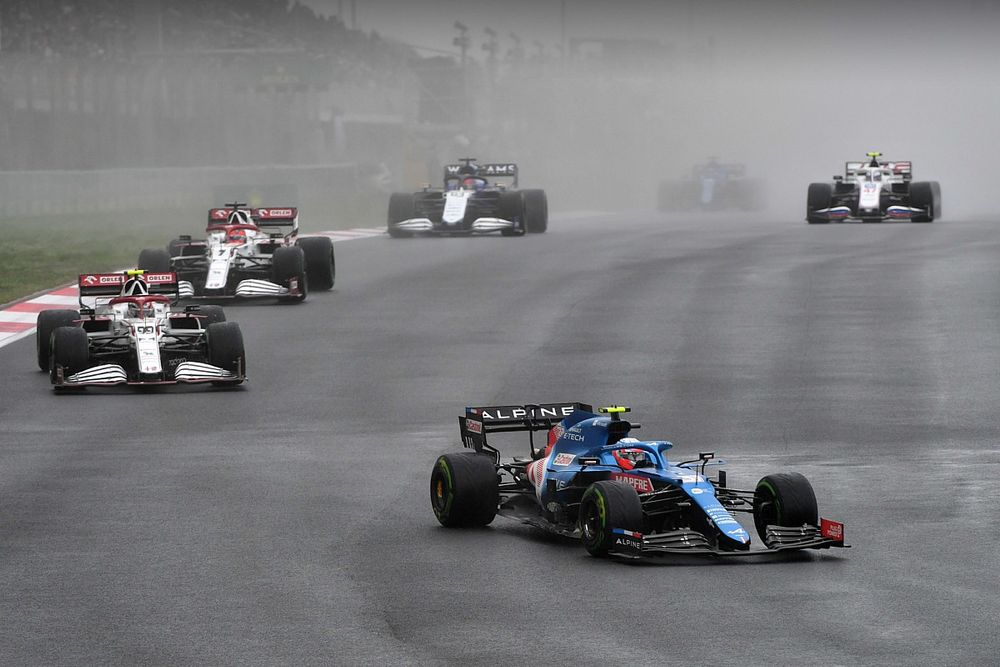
(465,490)
(607,505)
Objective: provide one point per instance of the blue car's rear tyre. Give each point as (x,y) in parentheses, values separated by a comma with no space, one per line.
(607,505)
(465,490)
(783,499)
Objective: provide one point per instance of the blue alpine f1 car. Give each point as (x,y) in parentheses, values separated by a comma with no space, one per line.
(619,495)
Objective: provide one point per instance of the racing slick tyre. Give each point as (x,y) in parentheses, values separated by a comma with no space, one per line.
(321,267)
(400,208)
(926,195)
(783,499)
(513,206)
(69,350)
(48,321)
(464,490)
(536,211)
(154,260)
(211,315)
(820,195)
(607,505)
(224,343)
(289,263)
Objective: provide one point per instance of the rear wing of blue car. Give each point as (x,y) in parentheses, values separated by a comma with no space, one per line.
(477,422)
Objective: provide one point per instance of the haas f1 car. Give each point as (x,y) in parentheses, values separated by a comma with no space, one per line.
(247,253)
(874,191)
(713,186)
(476,199)
(619,495)
(127,333)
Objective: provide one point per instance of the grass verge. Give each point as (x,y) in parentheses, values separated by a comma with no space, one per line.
(45,251)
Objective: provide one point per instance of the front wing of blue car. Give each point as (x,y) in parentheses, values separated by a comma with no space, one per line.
(778,539)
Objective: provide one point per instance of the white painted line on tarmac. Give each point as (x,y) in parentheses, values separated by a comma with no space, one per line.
(56,300)
(17,318)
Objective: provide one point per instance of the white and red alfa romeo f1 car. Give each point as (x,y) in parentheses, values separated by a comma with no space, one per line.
(247,252)
(126,332)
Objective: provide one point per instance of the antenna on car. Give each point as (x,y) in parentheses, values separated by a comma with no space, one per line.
(236,205)
(616,411)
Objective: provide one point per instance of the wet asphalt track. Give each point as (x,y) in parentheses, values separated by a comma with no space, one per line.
(289,522)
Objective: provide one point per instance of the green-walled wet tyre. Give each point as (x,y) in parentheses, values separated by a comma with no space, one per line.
(464,490)
(607,505)
(783,499)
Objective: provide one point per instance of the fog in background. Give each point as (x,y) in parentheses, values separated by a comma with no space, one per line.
(596,101)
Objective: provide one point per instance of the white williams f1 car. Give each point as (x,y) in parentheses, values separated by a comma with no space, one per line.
(874,191)
(476,199)
(247,253)
(128,334)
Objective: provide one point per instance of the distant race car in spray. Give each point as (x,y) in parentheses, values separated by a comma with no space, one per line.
(126,332)
(247,253)
(874,191)
(620,496)
(475,199)
(712,186)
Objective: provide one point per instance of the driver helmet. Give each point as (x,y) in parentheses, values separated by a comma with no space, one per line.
(631,458)
(134,286)
(473,183)
(237,236)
